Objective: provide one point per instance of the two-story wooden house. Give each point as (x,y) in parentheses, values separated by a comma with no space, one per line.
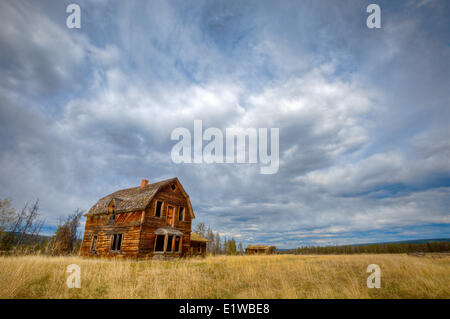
(145,221)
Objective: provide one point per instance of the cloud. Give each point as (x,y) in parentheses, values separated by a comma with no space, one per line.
(37,56)
(380,171)
(362,115)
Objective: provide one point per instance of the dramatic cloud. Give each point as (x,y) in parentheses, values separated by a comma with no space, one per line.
(363,114)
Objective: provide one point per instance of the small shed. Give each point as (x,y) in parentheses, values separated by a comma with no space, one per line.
(198,245)
(259,249)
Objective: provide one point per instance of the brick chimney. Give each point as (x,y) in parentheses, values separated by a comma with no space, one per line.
(144,182)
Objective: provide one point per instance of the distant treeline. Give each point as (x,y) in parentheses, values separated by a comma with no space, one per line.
(383,248)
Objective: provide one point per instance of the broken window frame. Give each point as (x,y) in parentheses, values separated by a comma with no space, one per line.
(163,238)
(169,245)
(94,243)
(172,245)
(181,214)
(177,244)
(116,242)
(160,209)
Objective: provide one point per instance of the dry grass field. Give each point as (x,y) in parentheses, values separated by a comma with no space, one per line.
(276,276)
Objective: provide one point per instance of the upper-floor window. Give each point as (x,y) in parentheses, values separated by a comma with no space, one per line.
(181,214)
(173,187)
(112,211)
(158,208)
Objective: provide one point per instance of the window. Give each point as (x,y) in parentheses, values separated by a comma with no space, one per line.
(94,244)
(112,211)
(116,242)
(169,243)
(158,208)
(199,249)
(159,246)
(173,187)
(177,244)
(181,214)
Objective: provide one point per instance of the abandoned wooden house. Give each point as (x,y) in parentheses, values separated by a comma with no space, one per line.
(259,249)
(145,221)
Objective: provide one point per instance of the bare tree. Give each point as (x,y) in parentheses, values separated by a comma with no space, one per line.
(29,217)
(11,236)
(7,214)
(241,248)
(22,226)
(65,240)
(210,243)
(200,229)
(217,244)
(36,230)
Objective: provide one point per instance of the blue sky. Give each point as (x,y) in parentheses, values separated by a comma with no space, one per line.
(363,113)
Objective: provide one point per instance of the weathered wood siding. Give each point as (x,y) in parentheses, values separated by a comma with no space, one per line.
(138,228)
(128,224)
(194,251)
(151,223)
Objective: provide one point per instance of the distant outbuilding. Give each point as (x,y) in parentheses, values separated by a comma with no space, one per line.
(259,249)
(198,245)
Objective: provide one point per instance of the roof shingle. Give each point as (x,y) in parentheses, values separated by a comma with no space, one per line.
(129,199)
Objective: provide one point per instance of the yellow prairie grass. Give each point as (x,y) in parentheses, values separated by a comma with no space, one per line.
(275,276)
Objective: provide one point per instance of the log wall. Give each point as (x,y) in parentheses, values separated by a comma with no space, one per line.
(151,222)
(128,224)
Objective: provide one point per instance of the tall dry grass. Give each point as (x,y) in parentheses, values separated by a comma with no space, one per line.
(277,276)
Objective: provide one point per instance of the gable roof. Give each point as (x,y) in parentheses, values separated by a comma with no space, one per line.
(135,198)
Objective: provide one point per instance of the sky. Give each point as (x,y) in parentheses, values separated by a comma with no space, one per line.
(363,114)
